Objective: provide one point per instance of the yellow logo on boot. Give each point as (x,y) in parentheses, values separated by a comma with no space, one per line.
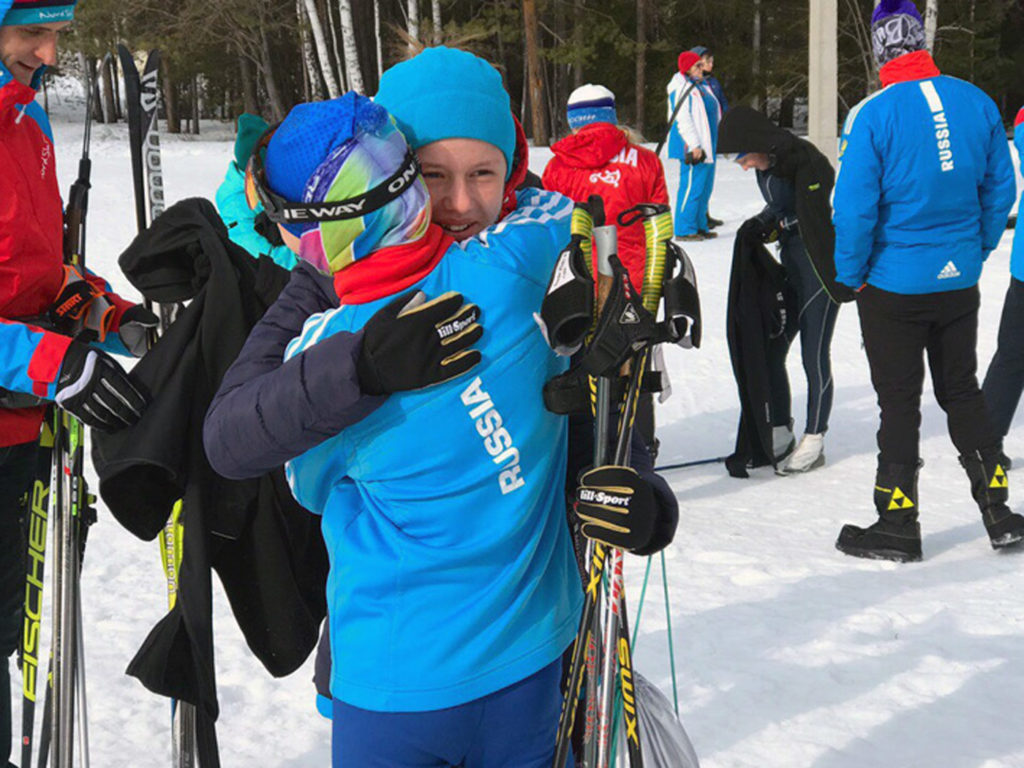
(999,479)
(900,500)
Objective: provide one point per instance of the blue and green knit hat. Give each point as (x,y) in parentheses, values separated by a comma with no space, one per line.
(329,151)
(22,12)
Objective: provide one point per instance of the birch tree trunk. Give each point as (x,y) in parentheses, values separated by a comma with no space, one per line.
(334,47)
(435,10)
(315,90)
(320,44)
(412,19)
(931,21)
(348,43)
(376,35)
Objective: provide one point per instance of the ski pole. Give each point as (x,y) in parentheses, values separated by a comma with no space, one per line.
(692,463)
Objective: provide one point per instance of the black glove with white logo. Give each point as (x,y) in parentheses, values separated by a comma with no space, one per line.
(617,507)
(623,329)
(412,343)
(137,323)
(97,391)
(568,307)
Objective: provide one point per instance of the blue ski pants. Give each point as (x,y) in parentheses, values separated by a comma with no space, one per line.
(695,184)
(511,728)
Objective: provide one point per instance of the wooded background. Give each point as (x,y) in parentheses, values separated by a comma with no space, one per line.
(225,57)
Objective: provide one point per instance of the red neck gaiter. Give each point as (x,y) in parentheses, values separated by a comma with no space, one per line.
(918,65)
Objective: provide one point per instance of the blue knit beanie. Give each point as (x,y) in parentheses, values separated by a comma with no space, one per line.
(22,12)
(591,104)
(327,151)
(700,50)
(896,29)
(445,93)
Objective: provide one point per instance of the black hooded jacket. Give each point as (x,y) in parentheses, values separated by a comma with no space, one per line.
(746,130)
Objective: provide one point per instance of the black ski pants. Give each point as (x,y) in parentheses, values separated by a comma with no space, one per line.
(1005,378)
(899,330)
(17,463)
(816,321)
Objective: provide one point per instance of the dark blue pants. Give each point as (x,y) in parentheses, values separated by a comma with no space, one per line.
(816,321)
(511,728)
(1005,378)
(17,463)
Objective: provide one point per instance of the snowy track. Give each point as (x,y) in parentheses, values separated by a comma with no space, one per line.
(789,654)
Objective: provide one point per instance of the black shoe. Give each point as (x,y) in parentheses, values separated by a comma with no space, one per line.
(692,238)
(882,541)
(897,534)
(1005,527)
(713,222)
(990,488)
(707,235)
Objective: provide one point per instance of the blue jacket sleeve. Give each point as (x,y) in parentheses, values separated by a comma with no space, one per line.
(855,200)
(997,190)
(268,411)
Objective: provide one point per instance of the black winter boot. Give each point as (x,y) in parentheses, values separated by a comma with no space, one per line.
(897,534)
(990,487)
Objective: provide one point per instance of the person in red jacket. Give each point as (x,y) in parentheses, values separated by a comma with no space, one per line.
(598,158)
(39,361)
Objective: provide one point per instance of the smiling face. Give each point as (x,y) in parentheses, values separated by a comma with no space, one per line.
(466,179)
(26,48)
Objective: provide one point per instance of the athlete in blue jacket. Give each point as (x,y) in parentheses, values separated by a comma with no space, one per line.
(453,589)
(924,188)
(1005,378)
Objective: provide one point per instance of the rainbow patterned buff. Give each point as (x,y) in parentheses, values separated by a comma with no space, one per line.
(339,149)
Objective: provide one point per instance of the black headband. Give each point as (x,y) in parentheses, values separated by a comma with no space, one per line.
(282,211)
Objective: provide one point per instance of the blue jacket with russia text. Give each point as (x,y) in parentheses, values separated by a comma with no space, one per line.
(925,183)
(452,571)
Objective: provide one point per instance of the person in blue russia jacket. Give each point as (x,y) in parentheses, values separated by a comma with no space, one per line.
(693,137)
(453,590)
(924,187)
(246,225)
(1005,377)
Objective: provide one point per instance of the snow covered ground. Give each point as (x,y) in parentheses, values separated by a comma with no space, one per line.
(789,654)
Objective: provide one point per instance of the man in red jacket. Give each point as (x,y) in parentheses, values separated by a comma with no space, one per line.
(598,158)
(39,361)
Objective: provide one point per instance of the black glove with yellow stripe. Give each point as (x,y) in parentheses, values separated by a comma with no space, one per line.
(617,507)
(412,343)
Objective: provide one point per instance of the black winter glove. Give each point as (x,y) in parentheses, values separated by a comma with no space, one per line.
(623,329)
(96,390)
(617,507)
(756,227)
(136,325)
(412,343)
